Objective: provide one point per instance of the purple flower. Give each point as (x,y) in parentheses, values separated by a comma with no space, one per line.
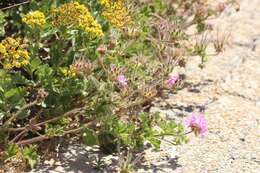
(122,80)
(198,123)
(172,80)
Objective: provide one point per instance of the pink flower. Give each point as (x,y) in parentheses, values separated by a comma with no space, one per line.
(121,79)
(172,80)
(198,123)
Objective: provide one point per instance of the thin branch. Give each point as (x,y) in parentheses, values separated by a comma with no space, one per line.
(15,5)
(170,134)
(45,137)
(14,116)
(19,135)
(69,113)
(33,140)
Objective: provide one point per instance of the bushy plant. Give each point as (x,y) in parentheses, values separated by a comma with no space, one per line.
(92,69)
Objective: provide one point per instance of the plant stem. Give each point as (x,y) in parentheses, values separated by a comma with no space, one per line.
(170,134)
(69,113)
(14,116)
(15,5)
(45,137)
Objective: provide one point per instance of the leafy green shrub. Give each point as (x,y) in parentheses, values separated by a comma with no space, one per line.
(92,68)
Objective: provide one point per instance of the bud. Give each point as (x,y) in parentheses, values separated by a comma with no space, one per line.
(182,62)
(112,43)
(201,11)
(187,5)
(131,32)
(82,67)
(221,7)
(42,93)
(178,52)
(209,27)
(102,49)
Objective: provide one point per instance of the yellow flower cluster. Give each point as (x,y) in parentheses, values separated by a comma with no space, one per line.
(77,16)
(34,19)
(116,13)
(106,3)
(68,72)
(13,53)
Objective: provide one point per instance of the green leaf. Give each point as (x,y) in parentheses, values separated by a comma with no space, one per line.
(89,137)
(12,150)
(143,117)
(19,79)
(2,21)
(56,54)
(49,32)
(168,127)
(44,73)
(155,142)
(15,96)
(24,114)
(3,136)
(30,155)
(108,142)
(35,63)
(54,129)
(158,5)
(12,92)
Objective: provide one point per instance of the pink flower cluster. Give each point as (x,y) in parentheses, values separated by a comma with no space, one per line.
(197,123)
(122,80)
(172,80)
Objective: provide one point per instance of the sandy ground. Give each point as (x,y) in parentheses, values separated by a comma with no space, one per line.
(228,90)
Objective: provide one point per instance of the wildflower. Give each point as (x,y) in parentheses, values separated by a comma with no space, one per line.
(172,80)
(102,49)
(197,123)
(68,72)
(116,13)
(112,43)
(122,80)
(82,67)
(2,48)
(34,19)
(76,16)
(13,53)
(105,3)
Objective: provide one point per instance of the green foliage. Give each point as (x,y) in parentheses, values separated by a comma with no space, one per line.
(90,137)
(2,21)
(29,153)
(12,150)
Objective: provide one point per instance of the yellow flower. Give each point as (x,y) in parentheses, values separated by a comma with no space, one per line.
(105,3)
(116,13)
(68,72)
(2,50)
(76,16)
(13,53)
(34,19)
